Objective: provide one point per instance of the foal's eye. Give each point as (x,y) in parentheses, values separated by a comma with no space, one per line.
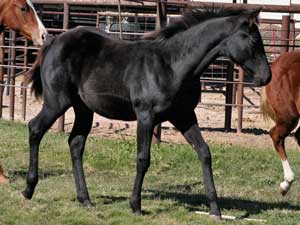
(24,9)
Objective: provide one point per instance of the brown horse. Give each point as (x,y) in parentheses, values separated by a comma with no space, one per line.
(20,15)
(280,101)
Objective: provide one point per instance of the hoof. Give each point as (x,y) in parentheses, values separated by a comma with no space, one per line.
(26,195)
(4,180)
(136,207)
(284,187)
(282,191)
(88,204)
(215,217)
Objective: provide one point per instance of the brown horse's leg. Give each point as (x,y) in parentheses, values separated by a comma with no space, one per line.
(278,134)
(3,178)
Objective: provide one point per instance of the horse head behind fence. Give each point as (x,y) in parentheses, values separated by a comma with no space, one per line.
(20,15)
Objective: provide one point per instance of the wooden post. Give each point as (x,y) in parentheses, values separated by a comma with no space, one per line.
(161,20)
(1,71)
(228,100)
(240,98)
(61,120)
(293,34)
(12,78)
(66,16)
(120,20)
(161,15)
(285,33)
(234,88)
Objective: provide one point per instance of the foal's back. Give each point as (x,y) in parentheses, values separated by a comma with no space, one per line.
(105,72)
(283,90)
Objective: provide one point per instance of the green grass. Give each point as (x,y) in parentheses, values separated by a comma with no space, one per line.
(246,179)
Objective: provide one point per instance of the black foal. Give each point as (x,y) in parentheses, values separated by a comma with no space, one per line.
(151,81)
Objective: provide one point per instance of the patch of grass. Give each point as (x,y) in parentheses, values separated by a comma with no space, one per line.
(246,179)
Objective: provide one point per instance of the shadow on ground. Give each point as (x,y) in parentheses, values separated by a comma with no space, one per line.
(254,131)
(15,174)
(195,202)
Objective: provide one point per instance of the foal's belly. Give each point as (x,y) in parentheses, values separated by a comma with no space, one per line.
(110,106)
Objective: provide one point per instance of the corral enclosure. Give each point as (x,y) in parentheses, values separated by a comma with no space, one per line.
(225,89)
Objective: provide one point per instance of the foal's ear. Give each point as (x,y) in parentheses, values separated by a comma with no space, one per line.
(253,16)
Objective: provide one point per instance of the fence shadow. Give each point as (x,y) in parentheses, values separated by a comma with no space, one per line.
(15,174)
(255,131)
(193,202)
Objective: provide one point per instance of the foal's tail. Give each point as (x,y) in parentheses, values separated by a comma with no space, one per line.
(34,74)
(265,107)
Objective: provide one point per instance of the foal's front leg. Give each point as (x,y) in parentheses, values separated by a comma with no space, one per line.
(187,125)
(194,137)
(144,137)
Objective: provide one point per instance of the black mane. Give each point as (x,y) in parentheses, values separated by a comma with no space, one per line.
(192,17)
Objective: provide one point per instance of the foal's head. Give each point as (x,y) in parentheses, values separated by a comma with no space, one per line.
(245,47)
(20,15)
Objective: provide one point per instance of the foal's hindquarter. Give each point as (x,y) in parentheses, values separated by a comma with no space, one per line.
(283,96)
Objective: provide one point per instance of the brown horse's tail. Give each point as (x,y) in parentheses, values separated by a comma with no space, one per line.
(265,107)
(34,74)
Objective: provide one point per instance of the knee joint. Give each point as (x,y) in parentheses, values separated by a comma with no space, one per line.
(143,165)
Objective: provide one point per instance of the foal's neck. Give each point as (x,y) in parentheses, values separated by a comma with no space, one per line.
(198,46)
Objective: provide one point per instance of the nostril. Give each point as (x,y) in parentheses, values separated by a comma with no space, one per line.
(44,36)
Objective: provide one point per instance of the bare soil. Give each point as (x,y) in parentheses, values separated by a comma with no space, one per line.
(210,118)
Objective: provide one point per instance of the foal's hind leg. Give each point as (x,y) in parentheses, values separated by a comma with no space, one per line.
(37,128)
(80,131)
(278,134)
(188,126)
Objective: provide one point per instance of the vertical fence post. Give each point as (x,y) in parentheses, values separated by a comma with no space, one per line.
(293,34)
(12,78)
(24,88)
(120,20)
(61,120)
(229,93)
(161,20)
(240,98)
(285,33)
(1,71)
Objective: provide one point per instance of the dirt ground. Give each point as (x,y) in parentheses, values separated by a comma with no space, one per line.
(210,118)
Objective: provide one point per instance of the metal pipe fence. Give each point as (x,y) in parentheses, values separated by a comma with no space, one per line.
(16,55)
